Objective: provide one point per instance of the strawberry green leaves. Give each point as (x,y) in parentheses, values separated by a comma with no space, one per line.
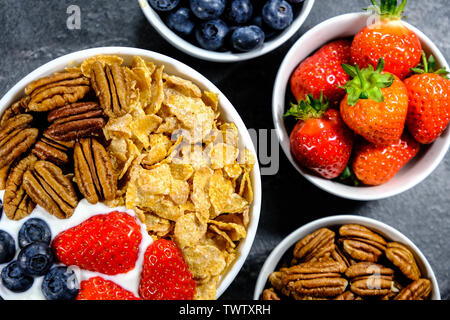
(366,83)
(308,108)
(429,66)
(389,9)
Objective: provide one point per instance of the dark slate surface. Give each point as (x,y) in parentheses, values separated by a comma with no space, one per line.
(35,32)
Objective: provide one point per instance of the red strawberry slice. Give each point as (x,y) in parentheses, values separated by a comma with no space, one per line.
(97,288)
(105,243)
(165,275)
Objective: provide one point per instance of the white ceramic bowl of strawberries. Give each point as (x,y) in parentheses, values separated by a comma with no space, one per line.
(386,231)
(228,112)
(340,27)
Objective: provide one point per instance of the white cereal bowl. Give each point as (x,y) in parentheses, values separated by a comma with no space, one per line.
(389,233)
(198,52)
(175,67)
(340,27)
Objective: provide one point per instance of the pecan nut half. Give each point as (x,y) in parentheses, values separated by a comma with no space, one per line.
(52,150)
(370,279)
(347,295)
(403,258)
(93,171)
(310,270)
(111,87)
(17,204)
(75,121)
(315,245)
(417,290)
(51,189)
(270,294)
(15,144)
(361,243)
(57,90)
(17,122)
(319,287)
(15,109)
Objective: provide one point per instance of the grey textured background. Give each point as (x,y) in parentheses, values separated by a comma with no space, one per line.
(34,32)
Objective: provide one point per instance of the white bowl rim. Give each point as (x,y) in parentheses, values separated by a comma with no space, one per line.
(335,188)
(225,105)
(228,56)
(373,224)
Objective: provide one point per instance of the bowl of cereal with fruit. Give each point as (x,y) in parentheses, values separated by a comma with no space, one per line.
(115,164)
(226,30)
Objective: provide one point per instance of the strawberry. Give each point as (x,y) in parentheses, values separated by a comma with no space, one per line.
(320,140)
(429,101)
(322,73)
(165,275)
(376,104)
(105,243)
(97,288)
(374,165)
(389,39)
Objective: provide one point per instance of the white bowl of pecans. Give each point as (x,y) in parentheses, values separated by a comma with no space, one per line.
(163,75)
(346,257)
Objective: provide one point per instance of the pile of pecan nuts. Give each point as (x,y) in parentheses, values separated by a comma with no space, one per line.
(52,145)
(354,264)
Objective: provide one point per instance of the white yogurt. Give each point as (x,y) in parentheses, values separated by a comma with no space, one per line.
(83,211)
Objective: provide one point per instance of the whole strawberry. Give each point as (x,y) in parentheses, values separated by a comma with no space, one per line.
(374,165)
(97,288)
(165,275)
(322,73)
(320,140)
(389,39)
(376,104)
(429,101)
(105,243)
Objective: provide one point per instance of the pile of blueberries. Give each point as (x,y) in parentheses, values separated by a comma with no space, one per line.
(35,259)
(221,25)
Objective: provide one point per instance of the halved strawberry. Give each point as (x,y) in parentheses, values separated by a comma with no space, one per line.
(165,275)
(105,243)
(97,288)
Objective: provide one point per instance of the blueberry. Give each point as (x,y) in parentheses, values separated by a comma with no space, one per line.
(164,5)
(15,279)
(34,230)
(207,9)
(211,34)
(269,33)
(35,259)
(60,283)
(180,21)
(277,14)
(239,11)
(7,247)
(247,38)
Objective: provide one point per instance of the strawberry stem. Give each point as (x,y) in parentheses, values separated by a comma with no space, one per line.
(308,108)
(348,177)
(429,66)
(389,9)
(366,83)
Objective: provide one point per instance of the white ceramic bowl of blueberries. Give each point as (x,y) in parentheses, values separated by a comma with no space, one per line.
(226,30)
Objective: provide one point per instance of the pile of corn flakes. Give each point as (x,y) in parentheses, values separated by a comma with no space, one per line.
(181,168)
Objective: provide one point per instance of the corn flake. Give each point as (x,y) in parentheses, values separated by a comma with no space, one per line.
(204,260)
(188,230)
